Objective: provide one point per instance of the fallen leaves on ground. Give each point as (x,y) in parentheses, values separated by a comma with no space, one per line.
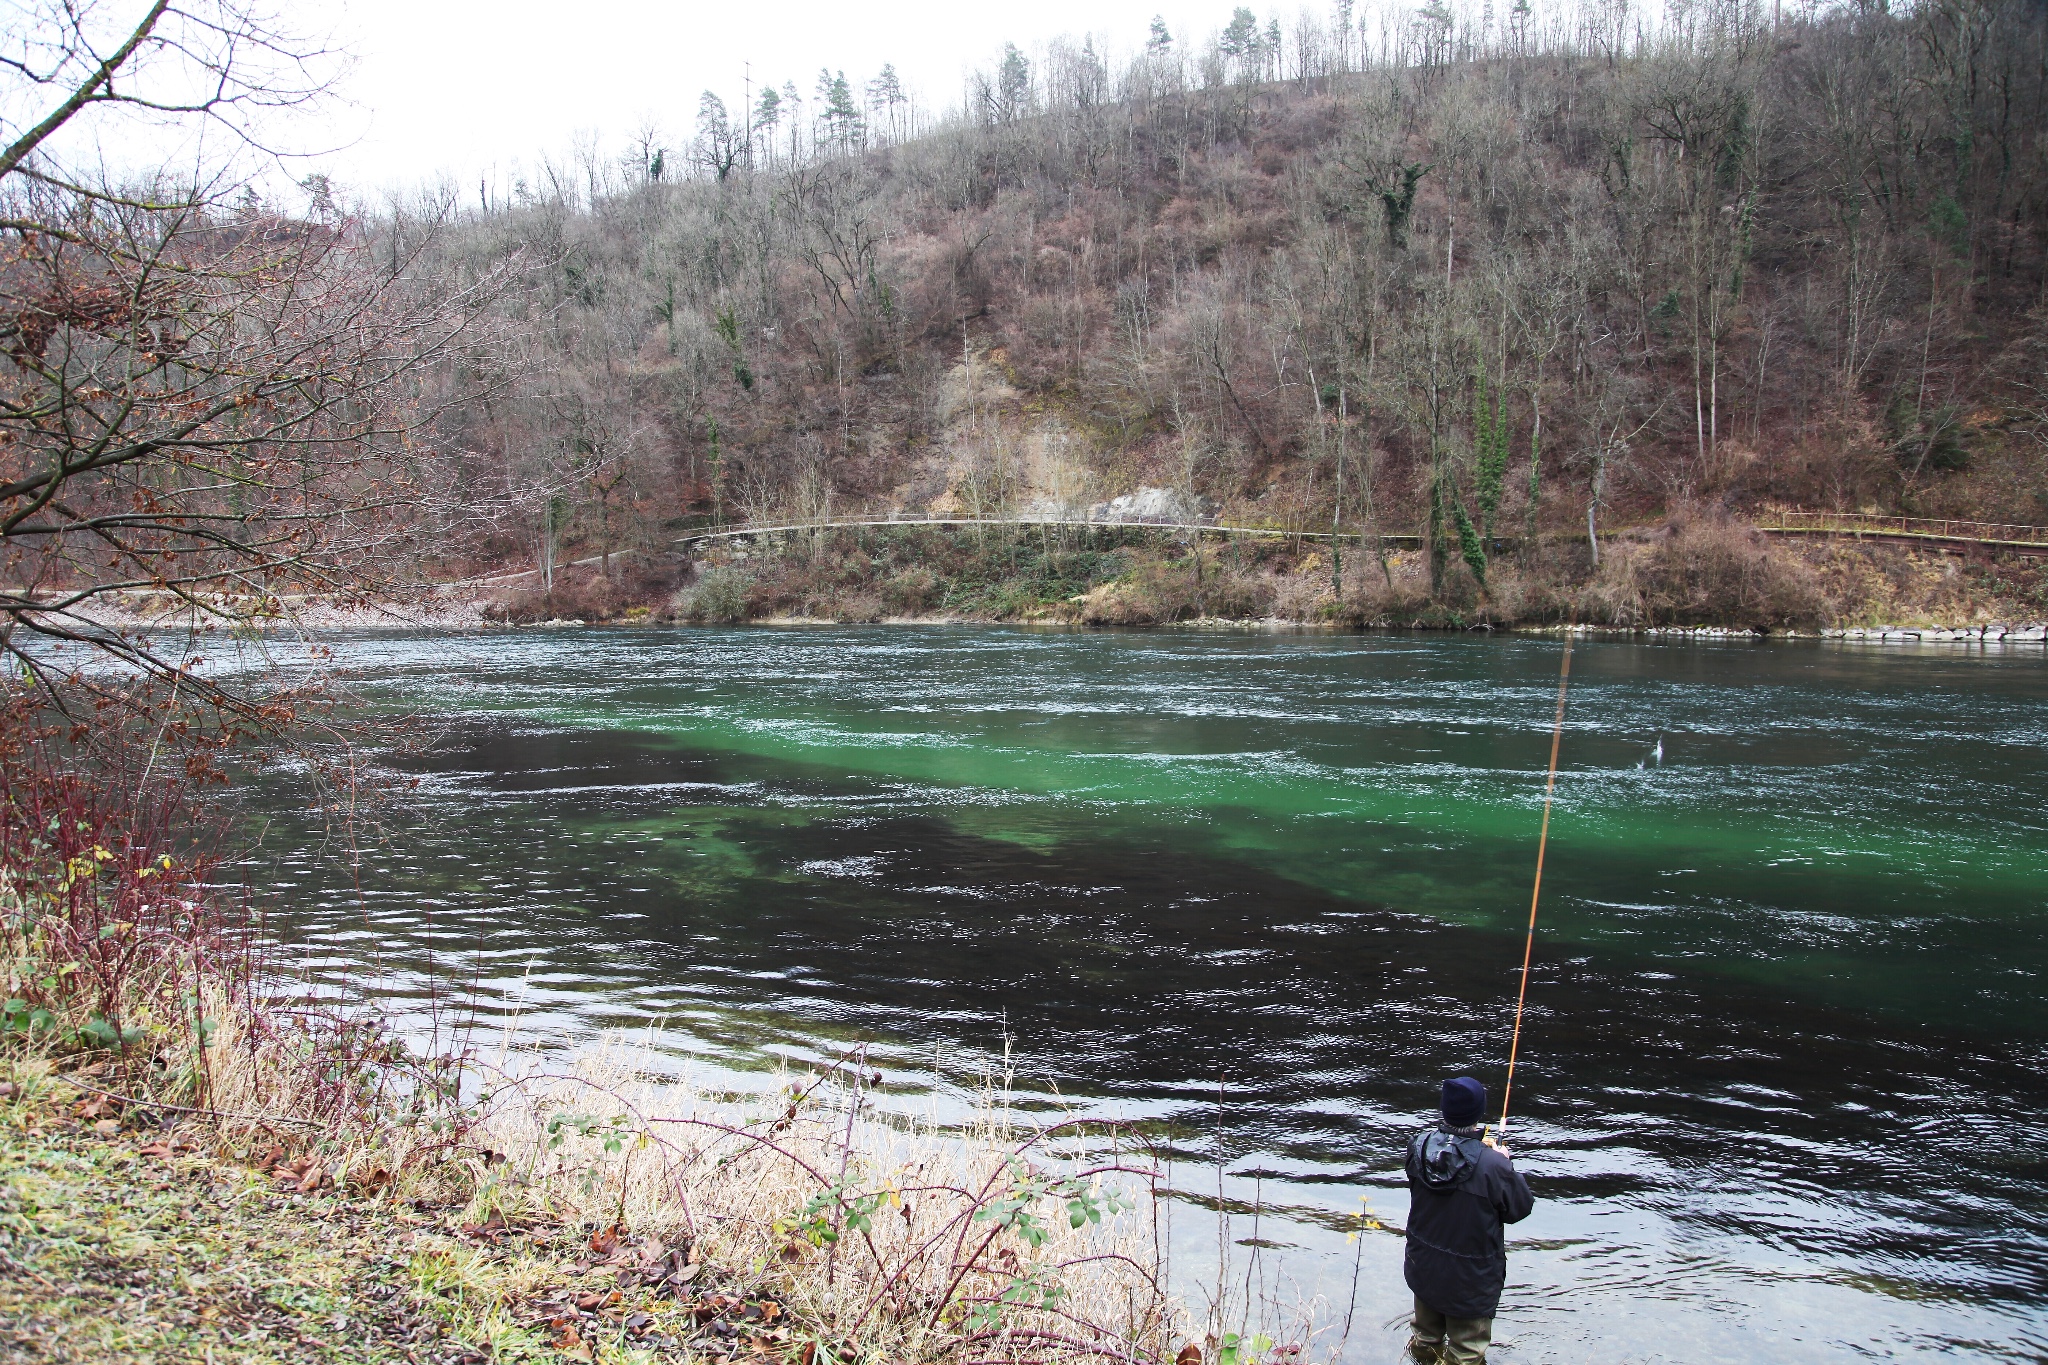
(196,1260)
(154,1246)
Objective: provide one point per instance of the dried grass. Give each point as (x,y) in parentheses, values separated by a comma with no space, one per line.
(1157,592)
(991,1238)
(904,1238)
(1304,596)
(1702,569)
(587,592)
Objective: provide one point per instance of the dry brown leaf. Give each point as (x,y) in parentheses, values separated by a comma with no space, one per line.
(492,1229)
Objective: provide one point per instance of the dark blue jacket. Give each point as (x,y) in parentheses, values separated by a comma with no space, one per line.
(1460,1192)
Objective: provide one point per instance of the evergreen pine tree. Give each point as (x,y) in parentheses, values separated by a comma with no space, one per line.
(1013,84)
(886,99)
(839,118)
(1240,40)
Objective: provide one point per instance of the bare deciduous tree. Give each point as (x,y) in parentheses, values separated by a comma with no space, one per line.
(201,400)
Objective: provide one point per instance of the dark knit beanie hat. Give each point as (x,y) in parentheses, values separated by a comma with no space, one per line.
(1464,1101)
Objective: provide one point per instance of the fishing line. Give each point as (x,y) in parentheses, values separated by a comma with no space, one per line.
(1564,677)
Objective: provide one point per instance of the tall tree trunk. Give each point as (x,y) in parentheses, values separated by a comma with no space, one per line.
(1593,504)
(1439,547)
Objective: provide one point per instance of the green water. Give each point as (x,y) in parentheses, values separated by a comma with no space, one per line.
(1786,996)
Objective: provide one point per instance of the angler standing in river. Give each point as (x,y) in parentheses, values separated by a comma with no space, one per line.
(1461,1190)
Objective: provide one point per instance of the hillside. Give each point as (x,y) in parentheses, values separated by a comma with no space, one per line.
(1483,283)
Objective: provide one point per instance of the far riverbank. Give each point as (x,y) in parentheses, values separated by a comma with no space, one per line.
(1689,574)
(1687,577)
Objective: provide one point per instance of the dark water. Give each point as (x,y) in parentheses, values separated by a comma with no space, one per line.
(1783,1072)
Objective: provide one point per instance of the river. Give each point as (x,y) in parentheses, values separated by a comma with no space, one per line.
(1783,1071)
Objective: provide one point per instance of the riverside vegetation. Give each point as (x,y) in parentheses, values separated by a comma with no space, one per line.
(189,1170)
(1498,282)
(1694,569)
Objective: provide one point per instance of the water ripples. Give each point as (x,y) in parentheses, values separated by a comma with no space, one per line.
(1783,1012)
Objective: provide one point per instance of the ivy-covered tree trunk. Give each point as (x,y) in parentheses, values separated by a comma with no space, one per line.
(1469,544)
(1490,443)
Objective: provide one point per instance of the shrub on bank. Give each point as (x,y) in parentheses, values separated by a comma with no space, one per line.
(108,929)
(1306,597)
(1154,593)
(1377,604)
(1160,591)
(1702,570)
(912,592)
(1000,574)
(585,592)
(721,595)
(853,609)
(121,951)
(591,1214)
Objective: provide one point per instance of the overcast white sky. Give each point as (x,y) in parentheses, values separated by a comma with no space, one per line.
(466,88)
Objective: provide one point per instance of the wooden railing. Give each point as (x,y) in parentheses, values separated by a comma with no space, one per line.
(888,523)
(1918,528)
(1776,521)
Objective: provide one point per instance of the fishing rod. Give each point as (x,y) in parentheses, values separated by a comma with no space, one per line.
(1564,677)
